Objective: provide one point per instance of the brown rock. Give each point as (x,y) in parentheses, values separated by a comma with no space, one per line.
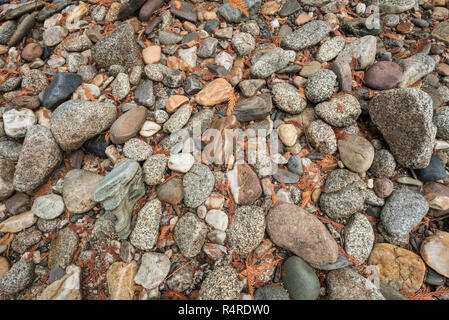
(171,191)
(66,288)
(127,125)
(443,69)
(245,185)
(32,51)
(174,102)
(151,54)
(147,9)
(437,201)
(4,266)
(30,102)
(120,278)
(294,229)
(383,187)
(270,8)
(405,27)
(399,268)
(18,222)
(214,92)
(302,19)
(356,153)
(384,75)
(435,252)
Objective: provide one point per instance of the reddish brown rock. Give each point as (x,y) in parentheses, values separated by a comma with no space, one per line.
(127,125)
(30,102)
(384,75)
(32,51)
(294,229)
(383,187)
(245,184)
(399,268)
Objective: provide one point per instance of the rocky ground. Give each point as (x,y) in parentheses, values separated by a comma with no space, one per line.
(101,196)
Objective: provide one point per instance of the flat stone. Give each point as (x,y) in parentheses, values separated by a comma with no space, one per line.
(356,153)
(190,234)
(322,137)
(384,75)
(394,6)
(78,189)
(300,279)
(16,122)
(66,288)
(306,36)
(214,92)
(415,68)
(153,270)
(255,108)
(136,149)
(127,125)
(48,206)
(63,248)
(320,86)
(359,237)
(363,49)
(271,61)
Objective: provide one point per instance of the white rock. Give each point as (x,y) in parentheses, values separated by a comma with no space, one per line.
(441,145)
(48,206)
(217,236)
(18,222)
(181,162)
(188,56)
(149,128)
(201,211)
(225,60)
(217,219)
(16,122)
(153,270)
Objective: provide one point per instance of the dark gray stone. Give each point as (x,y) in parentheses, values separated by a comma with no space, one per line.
(62,86)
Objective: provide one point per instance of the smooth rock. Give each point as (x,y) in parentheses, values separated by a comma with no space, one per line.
(154,169)
(341,111)
(49,206)
(16,122)
(190,234)
(434,251)
(221,284)
(244,184)
(171,191)
(300,279)
(384,75)
(214,92)
(153,270)
(320,86)
(359,237)
(78,189)
(63,248)
(306,36)
(356,153)
(127,125)
(66,288)
(287,98)
(198,184)
(18,277)
(146,231)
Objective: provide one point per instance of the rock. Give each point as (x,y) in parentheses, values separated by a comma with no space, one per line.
(394,6)
(24,240)
(294,229)
(171,191)
(255,108)
(77,43)
(403,211)
(383,165)
(415,68)
(384,75)
(441,31)
(6,178)
(66,288)
(136,149)
(243,43)
(18,222)
(30,102)
(215,92)
(120,190)
(39,157)
(178,119)
(343,71)
(290,7)
(320,86)
(441,121)
(383,187)
(322,137)
(188,57)
(146,231)
(217,219)
(32,51)
(16,122)
(247,229)
(288,134)
(285,176)
(330,49)
(287,98)
(18,203)
(363,49)
(359,237)
(35,80)
(190,234)
(295,164)
(221,284)
(306,36)
(208,48)
(270,292)
(18,277)
(153,270)
(48,206)
(182,279)
(356,153)
(174,102)
(244,184)
(198,184)
(437,201)
(341,111)
(399,268)
(434,251)
(76,121)
(271,61)
(120,86)
(300,280)
(63,248)
(154,169)
(151,54)
(348,284)
(344,194)
(78,189)
(169,38)
(120,278)
(404,117)
(118,47)
(7,30)
(250,87)
(184,11)
(434,171)
(54,35)
(127,125)
(4,266)
(181,162)
(341,262)
(149,128)
(147,9)
(144,93)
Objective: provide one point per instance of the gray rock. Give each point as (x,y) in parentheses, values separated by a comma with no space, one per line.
(120,86)
(306,36)
(36,80)
(330,49)
(118,47)
(63,248)
(356,153)
(271,61)
(7,178)
(167,38)
(190,234)
(233,15)
(363,49)
(78,43)
(255,108)
(153,270)
(221,284)
(208,48)
(403,210)
(144,93)
(173,78)
(441,121)
(285,176)
(270,292)
(320,85)
(10,150)
(18,277)
(49,206)
(300,280)
(178,119)
(182,279)
(24,240)
(359,237)
(54,35)
(78,189)
(344,194)
(247,229)
(18,203)
(104,227)
(250,87)
(16,122)
(39,157)
(6,31)
(146,231)
(394,6)
(193,85)
(348,284)
(76,121)
(383,165)
(415,68)
(154,169)
(243,43)
(330,111)
(341,262)
(136,149)
(198,184)
(287,98)
(322,137)
(404,117)
(343,71)
(46,12)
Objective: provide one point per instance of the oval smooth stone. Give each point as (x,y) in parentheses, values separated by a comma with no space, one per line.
(127,125)
(384,75)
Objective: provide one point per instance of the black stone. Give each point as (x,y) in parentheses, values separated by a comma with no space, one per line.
(45,52)
(62,86)
(434,171)
(211,25)
(289,8)
(97,145)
